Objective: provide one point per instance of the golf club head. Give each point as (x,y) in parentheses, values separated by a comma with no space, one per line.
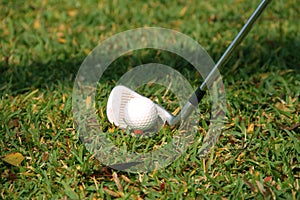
(117,100)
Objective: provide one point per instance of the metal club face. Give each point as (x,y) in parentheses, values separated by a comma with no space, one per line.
(117,100)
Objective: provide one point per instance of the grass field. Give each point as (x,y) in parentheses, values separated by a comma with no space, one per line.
(42,45)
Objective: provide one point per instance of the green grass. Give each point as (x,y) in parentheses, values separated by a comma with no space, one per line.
(42,45)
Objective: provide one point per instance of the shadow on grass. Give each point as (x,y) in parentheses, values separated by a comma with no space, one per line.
(269,55)
(18,79)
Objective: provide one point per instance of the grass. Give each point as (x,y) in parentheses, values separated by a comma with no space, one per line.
(42,47)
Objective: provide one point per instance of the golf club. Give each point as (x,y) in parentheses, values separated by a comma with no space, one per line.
(120,95)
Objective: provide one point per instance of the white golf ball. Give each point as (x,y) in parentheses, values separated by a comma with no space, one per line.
(140,113)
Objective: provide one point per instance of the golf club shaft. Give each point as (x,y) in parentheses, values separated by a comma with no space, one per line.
(200,92)
(238,39)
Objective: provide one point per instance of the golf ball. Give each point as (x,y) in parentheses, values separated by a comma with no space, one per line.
(140,113)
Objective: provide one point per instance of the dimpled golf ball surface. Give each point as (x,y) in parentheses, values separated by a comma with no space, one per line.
(140,113)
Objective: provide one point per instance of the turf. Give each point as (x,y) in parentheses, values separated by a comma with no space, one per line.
(43,44)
